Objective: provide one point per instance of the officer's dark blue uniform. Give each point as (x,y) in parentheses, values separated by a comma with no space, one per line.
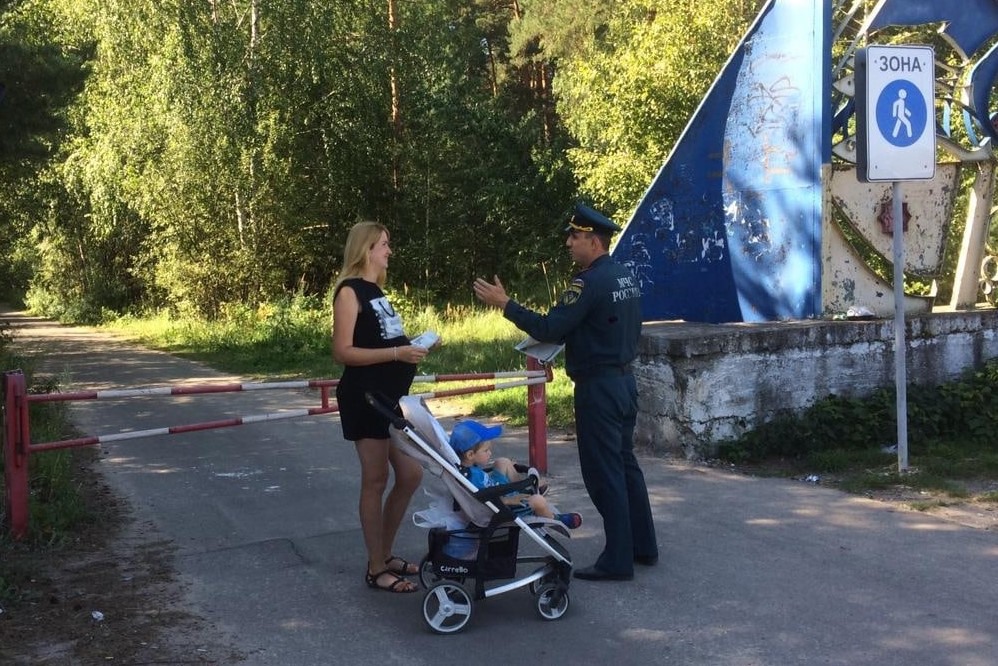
(599,320)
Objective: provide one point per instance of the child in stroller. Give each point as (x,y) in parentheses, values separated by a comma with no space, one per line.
(472,442)
(474,538)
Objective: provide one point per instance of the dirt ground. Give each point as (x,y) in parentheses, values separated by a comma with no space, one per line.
(110,596)
(974,510)
(113,597)
(971,511)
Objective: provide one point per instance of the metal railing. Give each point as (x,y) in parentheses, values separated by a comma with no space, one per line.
(17,447)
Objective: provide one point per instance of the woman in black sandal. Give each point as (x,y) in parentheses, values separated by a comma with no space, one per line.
(369,341)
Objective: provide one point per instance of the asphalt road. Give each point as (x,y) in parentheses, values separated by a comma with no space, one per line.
(752,571)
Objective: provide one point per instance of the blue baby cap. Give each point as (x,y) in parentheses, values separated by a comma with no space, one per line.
(468,433)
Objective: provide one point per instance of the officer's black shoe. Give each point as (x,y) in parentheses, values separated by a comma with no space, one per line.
(646,560)
(592,573)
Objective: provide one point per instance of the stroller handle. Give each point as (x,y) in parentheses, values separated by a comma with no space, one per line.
(381,403)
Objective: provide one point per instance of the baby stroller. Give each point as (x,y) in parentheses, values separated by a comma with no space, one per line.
(474,538)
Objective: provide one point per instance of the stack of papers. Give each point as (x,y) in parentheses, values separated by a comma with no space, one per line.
(426,339)
(545,352)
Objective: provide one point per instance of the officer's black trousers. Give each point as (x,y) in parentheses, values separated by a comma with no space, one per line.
(605,413)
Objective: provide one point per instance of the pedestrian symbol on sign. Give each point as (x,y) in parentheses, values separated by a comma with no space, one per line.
(902,114)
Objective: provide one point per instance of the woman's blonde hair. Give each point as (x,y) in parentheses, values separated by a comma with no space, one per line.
(360,241)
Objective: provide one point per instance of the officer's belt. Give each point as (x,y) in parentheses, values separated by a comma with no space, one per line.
(601,371)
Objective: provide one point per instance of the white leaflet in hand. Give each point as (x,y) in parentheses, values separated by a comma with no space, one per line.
(545,352)
(426,339)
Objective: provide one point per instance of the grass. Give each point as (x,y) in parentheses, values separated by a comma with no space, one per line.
(292,340)
(947,472)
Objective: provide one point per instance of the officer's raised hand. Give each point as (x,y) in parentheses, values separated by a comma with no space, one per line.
(491,293)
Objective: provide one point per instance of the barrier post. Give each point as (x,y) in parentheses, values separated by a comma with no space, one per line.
(537,418)
(15,452)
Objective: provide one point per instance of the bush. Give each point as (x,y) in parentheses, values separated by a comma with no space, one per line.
(962,410)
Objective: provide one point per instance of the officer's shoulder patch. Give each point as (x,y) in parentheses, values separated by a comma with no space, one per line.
(573,291)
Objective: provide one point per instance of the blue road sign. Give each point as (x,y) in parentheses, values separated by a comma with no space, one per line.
(901,113)
(895,97)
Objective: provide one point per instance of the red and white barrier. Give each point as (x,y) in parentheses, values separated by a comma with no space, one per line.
(17,446)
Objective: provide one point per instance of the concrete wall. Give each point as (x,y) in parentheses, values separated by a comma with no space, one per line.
(703,383)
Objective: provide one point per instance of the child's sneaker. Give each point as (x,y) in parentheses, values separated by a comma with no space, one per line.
(571,520)
(542,489)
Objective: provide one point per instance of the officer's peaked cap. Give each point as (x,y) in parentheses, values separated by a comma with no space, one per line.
(585,218)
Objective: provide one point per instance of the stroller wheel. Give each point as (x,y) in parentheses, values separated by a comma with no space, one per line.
(537,585)
(447,607)
(552,601)
(427,577)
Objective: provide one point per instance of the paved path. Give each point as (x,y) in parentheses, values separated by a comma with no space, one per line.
(753,571)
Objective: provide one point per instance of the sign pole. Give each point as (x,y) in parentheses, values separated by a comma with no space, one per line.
(895,97)
(900,356)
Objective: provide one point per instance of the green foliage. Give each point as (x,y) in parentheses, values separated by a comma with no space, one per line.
(510,404)
(832,423)
(183,156)
(869,480)
(216,156)
(289,337)
(628,91)
(41,78)
(834,429)
(188,155)
(834,461)
(958,457)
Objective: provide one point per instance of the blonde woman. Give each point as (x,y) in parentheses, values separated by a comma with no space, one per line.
(369,341)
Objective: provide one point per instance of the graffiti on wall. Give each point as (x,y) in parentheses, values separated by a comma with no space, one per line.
(729,230)
(733,227)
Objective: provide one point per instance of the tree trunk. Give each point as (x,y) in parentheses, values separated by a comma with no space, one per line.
(244,196)
(545,102)
(396,96)
(493,74)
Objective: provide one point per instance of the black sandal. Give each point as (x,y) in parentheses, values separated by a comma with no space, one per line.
(398,586)
(405,568)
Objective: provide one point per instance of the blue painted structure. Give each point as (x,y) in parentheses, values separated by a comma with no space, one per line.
(730,228)
(969,24)
(968,29)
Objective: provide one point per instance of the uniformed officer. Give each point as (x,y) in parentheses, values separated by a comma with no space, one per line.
(599,320)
